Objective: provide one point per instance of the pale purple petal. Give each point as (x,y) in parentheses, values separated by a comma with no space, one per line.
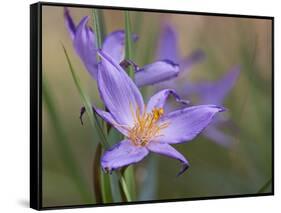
(222,87)
(167,150)
(156,72)
(122,154)
(214,92)
(167,46)
(114,45)
(110,119)
(185,124)
(69,23)
(192,59)
(119,93)
(218,136)
(85,45)
(159,99)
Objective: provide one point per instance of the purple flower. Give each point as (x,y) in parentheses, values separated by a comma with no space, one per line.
(84,42)
(215,92)
(168,50)
(207,92)
(147,128)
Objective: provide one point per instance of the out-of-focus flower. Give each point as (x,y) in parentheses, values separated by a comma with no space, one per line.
(215,92)
(207,92)
(84,43)
(147,128)
(168,50)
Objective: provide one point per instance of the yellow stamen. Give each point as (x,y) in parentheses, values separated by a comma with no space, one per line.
(145,126)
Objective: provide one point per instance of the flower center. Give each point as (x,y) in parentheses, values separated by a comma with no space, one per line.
(146,126)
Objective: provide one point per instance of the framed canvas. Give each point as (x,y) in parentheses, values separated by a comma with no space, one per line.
(132,106)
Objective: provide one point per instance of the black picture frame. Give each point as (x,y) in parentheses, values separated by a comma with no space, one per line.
(36,103)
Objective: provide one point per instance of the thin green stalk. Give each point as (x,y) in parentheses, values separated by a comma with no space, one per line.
(105,184)
(97,175)
(97,27)
(86,101)
(124,187)
(128,43)
(106,188)
(99,31)
(63,147)
(129,176)
(99,36)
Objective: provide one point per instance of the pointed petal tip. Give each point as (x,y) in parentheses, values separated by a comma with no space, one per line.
(66,11)
(85,19)
(70,25)
(185,166)
(219,108)
(172,63)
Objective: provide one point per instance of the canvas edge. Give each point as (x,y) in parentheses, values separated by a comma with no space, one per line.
(36,105)
(35,108)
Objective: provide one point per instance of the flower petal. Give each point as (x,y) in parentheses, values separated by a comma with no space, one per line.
(218,136)
(167,46)
(85,46)
(159,99)
(222,87)
(122,154)
(214,92)
(185,124)
(192,59)
(156,72)
(110,119)
(114,45)
(166,149)
(69,23)
(119,93)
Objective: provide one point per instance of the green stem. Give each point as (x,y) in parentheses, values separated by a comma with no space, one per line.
(97,175)
(85,101)
(97,27)
(106,188)
(129,177)
(124,187)
(128,43)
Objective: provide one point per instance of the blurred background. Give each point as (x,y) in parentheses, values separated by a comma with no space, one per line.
(215,170)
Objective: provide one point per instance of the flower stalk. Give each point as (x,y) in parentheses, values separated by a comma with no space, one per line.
(128,43)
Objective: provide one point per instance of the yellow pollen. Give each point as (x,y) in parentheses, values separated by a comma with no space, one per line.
(146,126)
